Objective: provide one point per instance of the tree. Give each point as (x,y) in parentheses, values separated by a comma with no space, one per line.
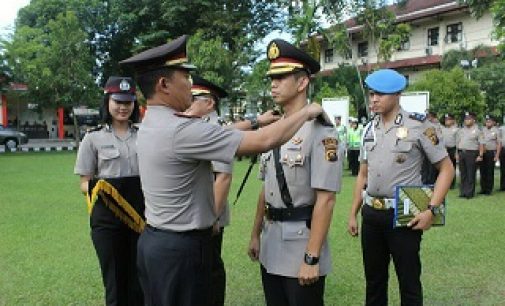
(451,91)
(257,86)
(54,61)
(491,79)
(379,27)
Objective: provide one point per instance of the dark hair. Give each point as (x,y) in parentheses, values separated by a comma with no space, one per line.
(106,116)
(147,80)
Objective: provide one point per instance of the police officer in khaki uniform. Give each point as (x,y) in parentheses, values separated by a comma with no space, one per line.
(502,158)
(492,148)
(449,135)
(296,202)
(109,153)
(470,152)
(394,147)
(206,96)
(175,151)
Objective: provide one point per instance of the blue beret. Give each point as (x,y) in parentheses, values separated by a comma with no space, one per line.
(386,81)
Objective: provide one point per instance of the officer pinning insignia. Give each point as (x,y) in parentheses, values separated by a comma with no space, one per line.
(402,132)
(285,58)
(330,149)
(431,133)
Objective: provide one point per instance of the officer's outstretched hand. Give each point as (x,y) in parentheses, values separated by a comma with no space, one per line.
(308,274)
(422,221)
(268,117)
(314,110)
(254,248)
(352,226)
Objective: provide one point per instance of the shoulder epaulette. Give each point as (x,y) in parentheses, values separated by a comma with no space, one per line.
(184,115)
(417,116)
(95,129)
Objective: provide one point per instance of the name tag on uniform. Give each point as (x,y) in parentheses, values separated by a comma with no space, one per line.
(107,147)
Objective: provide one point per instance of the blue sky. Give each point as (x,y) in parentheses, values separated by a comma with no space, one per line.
(8,14)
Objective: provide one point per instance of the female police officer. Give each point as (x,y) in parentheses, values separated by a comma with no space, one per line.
(107,164)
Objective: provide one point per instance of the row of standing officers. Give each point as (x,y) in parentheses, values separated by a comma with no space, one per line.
(474,148)
(178,157)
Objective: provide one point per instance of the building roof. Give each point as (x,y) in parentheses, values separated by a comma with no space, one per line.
(414,10)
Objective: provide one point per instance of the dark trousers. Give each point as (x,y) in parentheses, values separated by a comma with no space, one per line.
(353,156)
(286,291)
(218,282)
(487,172)
(174,267)
(380,242)
(467,170)
(116,247)
(452,155)
(502,169)
(429,172)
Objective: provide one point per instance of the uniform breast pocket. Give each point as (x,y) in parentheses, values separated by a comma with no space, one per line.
(402,147)
(295,230)
(108,163)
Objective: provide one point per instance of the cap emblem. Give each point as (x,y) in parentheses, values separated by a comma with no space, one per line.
(124,85)
(273,51)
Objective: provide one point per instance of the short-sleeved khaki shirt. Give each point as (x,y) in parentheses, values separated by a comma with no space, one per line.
(395,155)
(103,154)
(491,138)
(449,134)
(469,138)
(175,155)
(310,162)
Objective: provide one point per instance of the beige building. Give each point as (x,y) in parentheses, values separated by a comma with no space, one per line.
(437,26)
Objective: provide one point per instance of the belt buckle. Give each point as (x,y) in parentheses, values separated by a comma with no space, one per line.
(378,203)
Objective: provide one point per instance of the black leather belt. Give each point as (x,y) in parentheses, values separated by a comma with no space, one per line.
(194,232)
(288,214)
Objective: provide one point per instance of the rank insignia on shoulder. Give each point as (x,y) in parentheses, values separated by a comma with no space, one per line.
(95,129)
(432,135)
(417,116)
(184,115)
(330,149)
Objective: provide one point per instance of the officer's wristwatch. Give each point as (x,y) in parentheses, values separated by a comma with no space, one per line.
(310,260)
(254,123)
(435,210)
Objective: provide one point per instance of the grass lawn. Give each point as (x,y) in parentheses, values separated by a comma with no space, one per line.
(46,255)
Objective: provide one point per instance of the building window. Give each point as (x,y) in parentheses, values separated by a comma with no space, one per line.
(363,49)
(433,34)
(348,54)
(404,45)
(454,32)
(328,56)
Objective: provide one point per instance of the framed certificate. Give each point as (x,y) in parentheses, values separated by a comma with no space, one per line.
(411,200)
